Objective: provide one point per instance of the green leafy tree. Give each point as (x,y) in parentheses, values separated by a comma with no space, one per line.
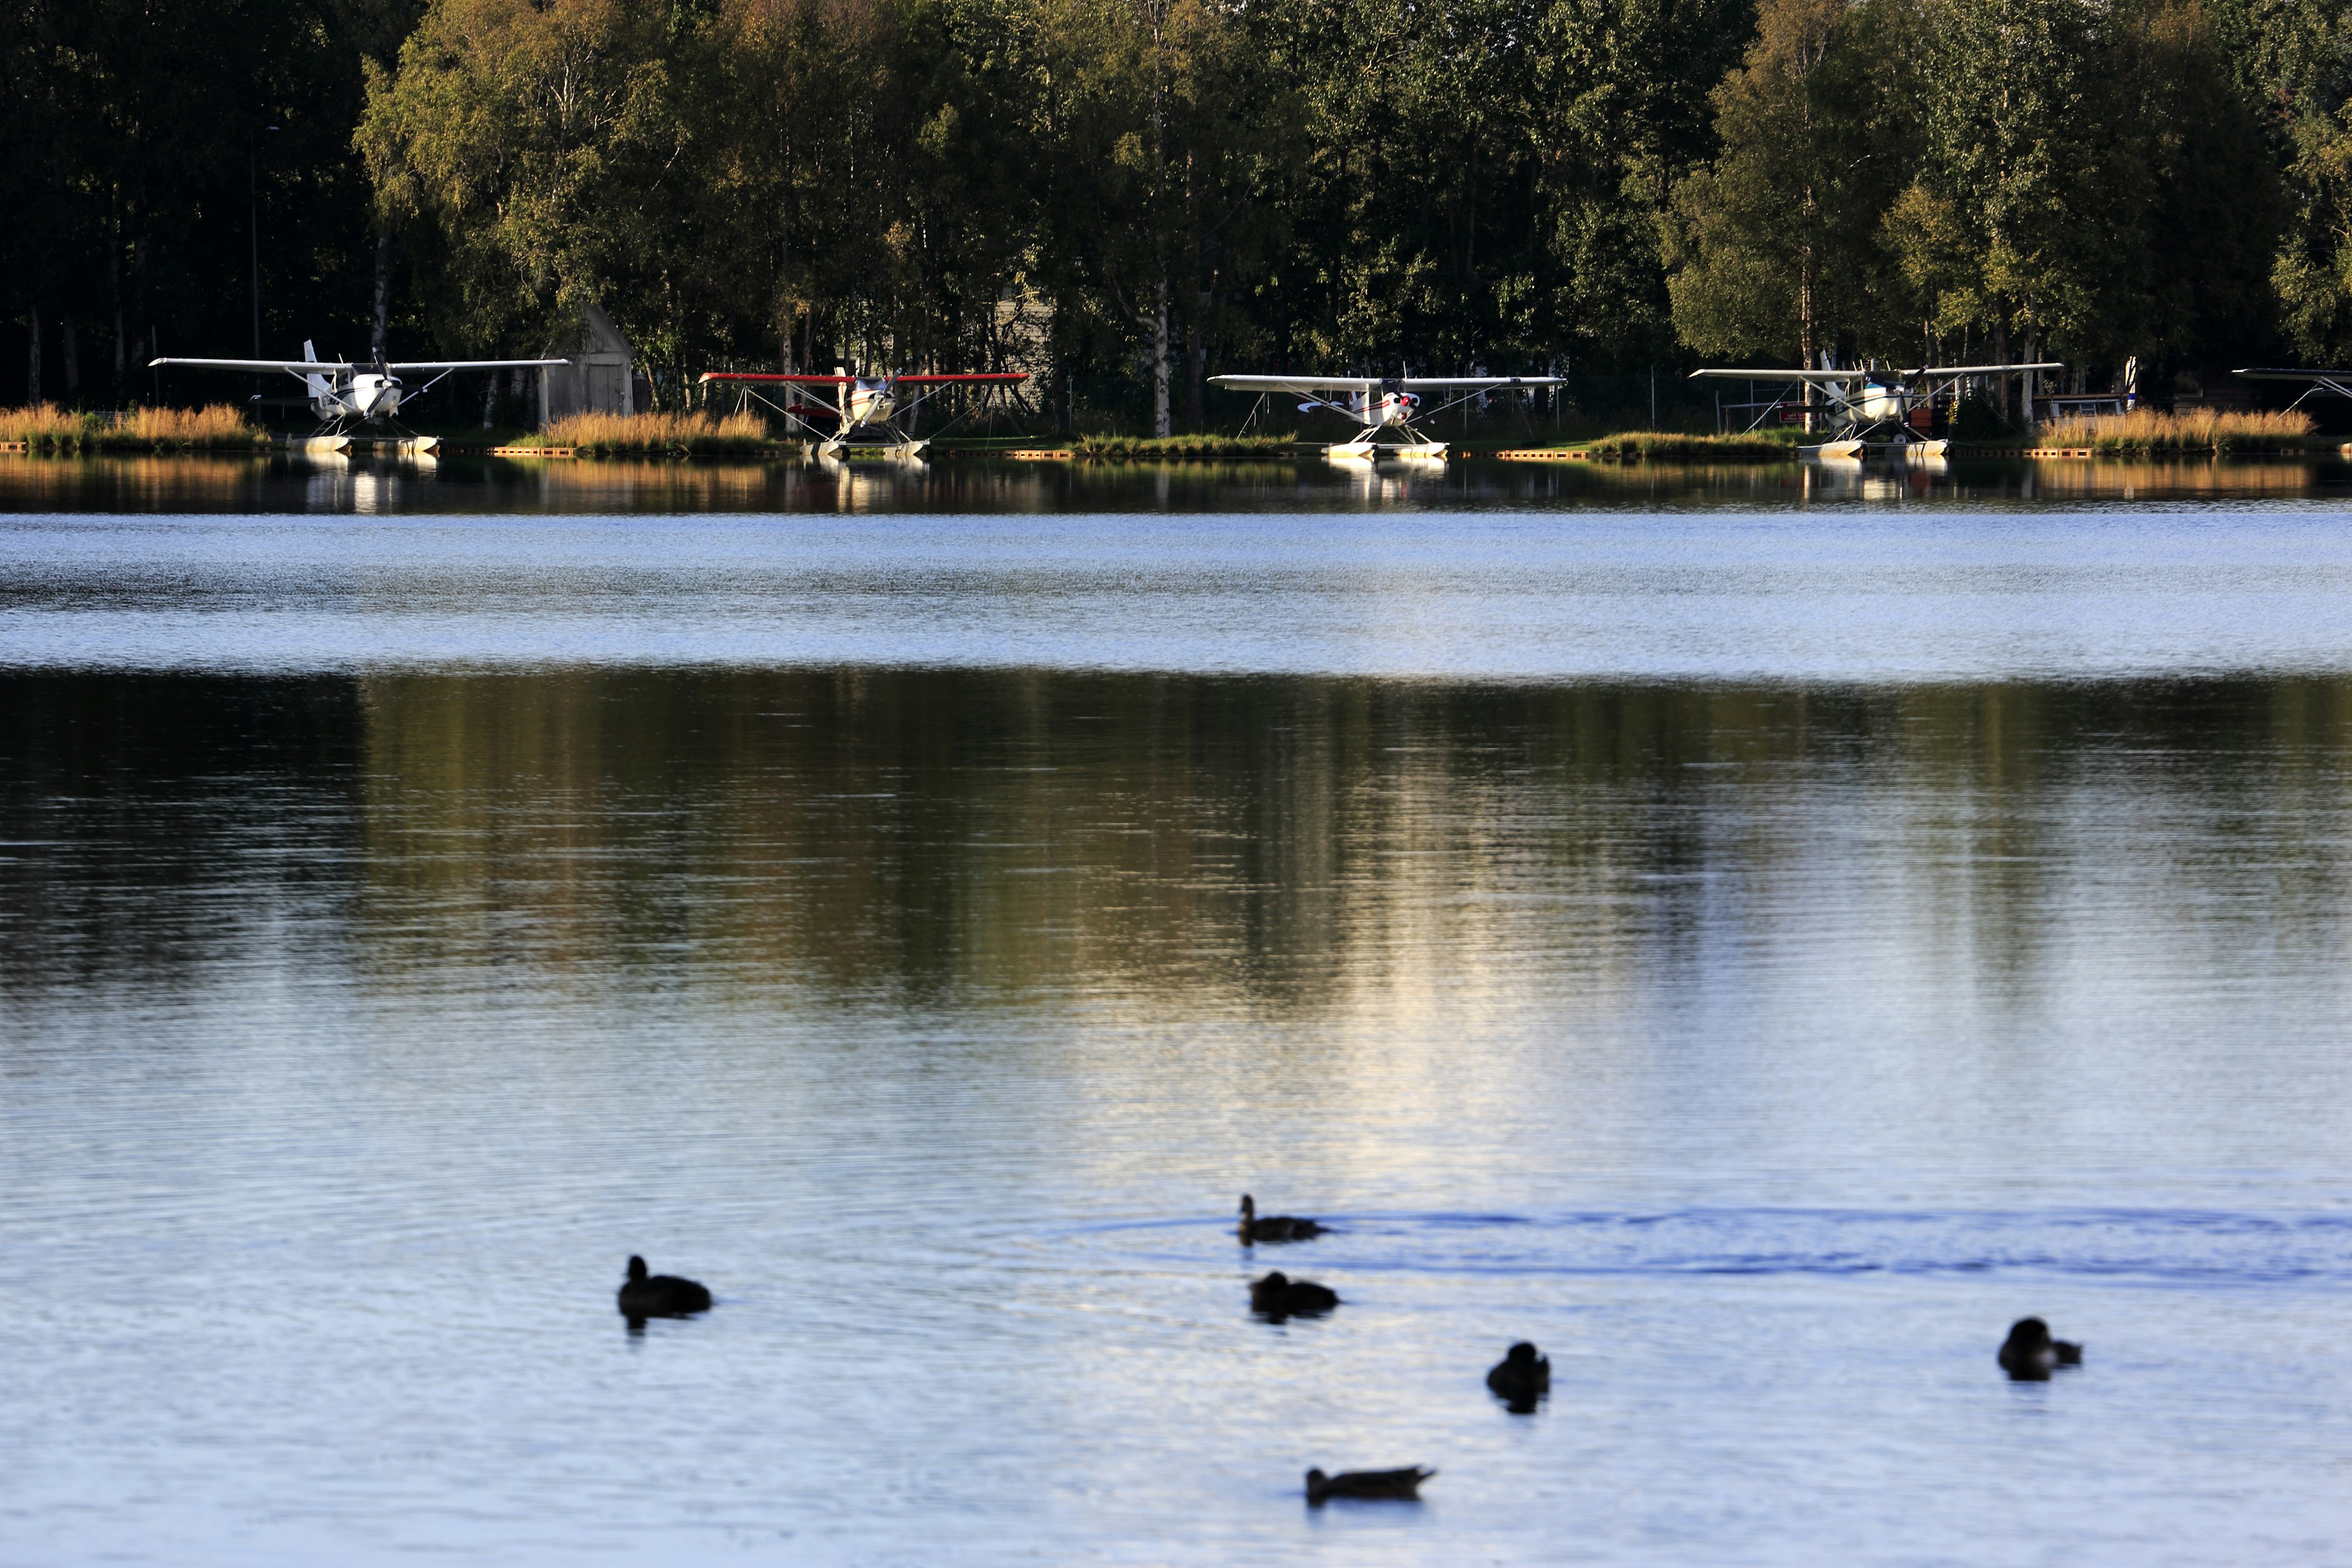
(1773,249)
(533,145)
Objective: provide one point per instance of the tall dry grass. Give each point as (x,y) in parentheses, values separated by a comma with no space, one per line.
(1182,445)
(2199,430)
(46,427)
(1653,445)
(215,425)
(692,434)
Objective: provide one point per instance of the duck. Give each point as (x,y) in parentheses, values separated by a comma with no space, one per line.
(2030,1354)
(1394,1485)
(1273,1227)
(1521,1377)
(1279,1295)
(646,1295)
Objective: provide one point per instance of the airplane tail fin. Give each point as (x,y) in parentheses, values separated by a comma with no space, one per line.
(317,384)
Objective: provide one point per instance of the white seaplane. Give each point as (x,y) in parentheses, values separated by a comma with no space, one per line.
(1380,404)
(1873,406)
(845,405)
(342,390)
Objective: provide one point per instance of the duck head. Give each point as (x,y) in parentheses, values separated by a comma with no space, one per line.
(2028,1334)
(637,1269)
(1521,1354)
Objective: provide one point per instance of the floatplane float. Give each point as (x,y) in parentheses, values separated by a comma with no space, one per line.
(861,411)
(342,391)
(1874,410)
(1381,406)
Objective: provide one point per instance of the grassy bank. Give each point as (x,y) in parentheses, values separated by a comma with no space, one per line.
(1645,446)
(2199,430)
(45,427)
(1183,445)
(692,435)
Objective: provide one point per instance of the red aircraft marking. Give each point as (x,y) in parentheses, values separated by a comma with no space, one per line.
(851,380)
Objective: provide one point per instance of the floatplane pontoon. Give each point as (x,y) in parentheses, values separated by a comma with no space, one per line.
(343,391)
(1874,410)
(1380,406)
(856,407)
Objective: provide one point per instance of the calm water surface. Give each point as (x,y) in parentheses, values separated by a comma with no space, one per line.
(1755,941)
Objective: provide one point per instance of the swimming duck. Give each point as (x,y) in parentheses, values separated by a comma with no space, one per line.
(1274,1227)
(1279,1295)
(1521,1377)
(2029,1353)
(646,1295)
(1399,1486)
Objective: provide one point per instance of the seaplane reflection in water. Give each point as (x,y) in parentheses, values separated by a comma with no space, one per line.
(1871,407)
(343,391)
(1378,406)
(844,407)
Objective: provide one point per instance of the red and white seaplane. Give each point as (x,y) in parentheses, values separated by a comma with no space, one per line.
(842,405)
(1380,404)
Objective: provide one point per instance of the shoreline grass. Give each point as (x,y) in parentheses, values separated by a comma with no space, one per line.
(219,426)
(2147,432)
(1183,445)
(1649,445)
(690,435)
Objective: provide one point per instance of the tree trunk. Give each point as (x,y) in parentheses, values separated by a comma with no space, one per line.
(1196,356)
(1805,318)
(71,343)
(379,323)
(2026,382)
(1159,367)
(114,288)
(2000,354)
(33,354)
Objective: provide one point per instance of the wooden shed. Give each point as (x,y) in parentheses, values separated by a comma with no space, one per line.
(600,378)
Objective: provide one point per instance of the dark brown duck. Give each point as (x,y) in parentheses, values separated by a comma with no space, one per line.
(1521,1378)
(646,1295)
(1394,1486)
(1274,1227)
(1279,1295)
(2030,1354)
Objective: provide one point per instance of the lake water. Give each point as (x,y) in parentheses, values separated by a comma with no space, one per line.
(1753,933)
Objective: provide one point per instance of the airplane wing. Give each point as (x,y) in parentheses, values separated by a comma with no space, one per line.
(1829,377)
(709,375)
(2322,377)
(999,375)
(1412,381)
(1839,377)
(1305,384)
(292,366)
(398,365)
(1979,369)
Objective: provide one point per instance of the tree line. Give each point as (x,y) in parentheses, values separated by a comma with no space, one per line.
(1131,195)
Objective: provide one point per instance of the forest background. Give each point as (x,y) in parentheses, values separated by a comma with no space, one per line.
(1130,195)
